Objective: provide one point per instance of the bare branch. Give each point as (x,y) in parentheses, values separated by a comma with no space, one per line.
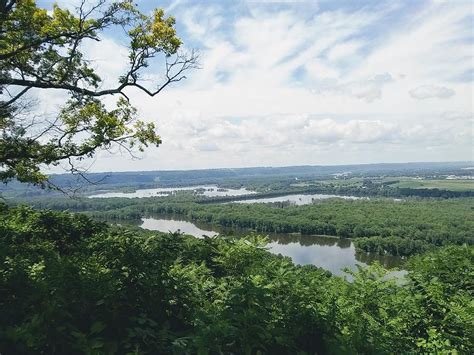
(16,97)
(183,64)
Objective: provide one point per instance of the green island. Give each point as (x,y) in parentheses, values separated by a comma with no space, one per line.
(380,225)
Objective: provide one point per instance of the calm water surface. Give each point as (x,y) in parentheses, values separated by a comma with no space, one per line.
(214,191)
(206,190)
(298,200)
(329,253)
(174,225)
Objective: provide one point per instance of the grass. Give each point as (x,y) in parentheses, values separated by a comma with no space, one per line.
(451,185)
(442,184)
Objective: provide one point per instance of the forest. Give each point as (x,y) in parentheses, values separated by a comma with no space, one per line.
(71,285)
(381,225)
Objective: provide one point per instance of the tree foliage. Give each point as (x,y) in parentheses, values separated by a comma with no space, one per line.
(72,285)
(41,50)
(378,226)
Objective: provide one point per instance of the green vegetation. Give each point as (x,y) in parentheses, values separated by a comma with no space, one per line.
(402,182)
(72,285)
(42,50)
(392,187)
(382,226)
(373,179)
(450,185)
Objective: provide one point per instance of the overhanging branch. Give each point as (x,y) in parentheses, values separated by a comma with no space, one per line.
(181,64)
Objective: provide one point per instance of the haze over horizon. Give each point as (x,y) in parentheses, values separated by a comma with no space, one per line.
(418,164)
(287,83)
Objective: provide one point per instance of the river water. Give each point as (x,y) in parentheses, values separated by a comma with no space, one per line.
(215,191)
(299,199)
(204,190)
(329,253)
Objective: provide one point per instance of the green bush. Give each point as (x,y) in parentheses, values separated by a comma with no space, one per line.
(70,285)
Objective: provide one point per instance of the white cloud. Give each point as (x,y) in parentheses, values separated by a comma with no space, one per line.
(431,91)
(344,51)
(353,131)
(332,86)
(458,115)
(370,89)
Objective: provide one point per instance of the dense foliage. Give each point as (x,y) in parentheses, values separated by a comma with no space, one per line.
(72,285)
(44,50)
(381,226)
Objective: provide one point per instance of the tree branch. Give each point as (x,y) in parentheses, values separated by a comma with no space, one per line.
(185,63)
(16,97)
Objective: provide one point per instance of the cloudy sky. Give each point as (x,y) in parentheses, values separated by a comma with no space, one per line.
(307,82)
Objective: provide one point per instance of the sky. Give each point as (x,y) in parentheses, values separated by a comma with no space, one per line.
(304,83)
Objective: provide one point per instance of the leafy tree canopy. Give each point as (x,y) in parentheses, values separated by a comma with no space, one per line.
(43,50)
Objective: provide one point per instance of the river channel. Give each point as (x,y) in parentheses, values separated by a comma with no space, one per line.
(204,190)
(330,253)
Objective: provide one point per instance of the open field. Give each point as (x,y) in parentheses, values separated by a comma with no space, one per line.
(451,185)
(402,182)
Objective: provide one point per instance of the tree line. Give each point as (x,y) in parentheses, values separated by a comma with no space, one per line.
(380,226)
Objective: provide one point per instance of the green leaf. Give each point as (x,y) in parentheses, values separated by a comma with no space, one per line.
(97,327)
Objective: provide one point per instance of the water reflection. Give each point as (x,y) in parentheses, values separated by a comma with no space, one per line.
(330,253)
(389,261)
(308,240)
(172,225)
(331,258)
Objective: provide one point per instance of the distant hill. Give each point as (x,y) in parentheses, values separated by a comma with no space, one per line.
(143,179)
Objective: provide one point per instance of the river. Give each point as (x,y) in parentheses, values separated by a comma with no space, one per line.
(215,191)
(329,253)
(204,190)
(298,199)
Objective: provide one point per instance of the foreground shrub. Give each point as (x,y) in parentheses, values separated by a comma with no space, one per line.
(70,285)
